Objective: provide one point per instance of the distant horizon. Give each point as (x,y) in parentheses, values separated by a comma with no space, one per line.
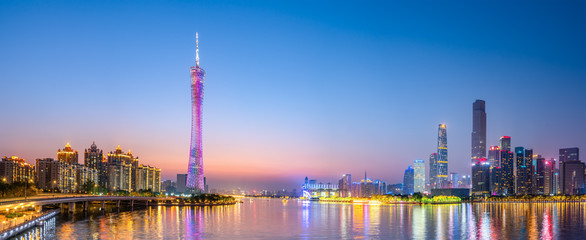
(292,90)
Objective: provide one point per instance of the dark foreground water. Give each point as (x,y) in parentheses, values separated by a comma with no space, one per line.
(273,219)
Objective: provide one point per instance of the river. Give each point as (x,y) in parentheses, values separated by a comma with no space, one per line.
(272,219)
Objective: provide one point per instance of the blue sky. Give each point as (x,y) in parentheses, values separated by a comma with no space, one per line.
(293,88)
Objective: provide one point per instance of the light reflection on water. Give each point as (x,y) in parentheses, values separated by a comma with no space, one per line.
(273,219)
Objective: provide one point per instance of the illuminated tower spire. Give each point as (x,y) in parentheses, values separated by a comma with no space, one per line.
(196,50)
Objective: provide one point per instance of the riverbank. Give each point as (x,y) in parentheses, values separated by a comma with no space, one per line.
(27,224)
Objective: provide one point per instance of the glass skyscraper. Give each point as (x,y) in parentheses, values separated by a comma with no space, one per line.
(478,130)
(442,152)
(419,176)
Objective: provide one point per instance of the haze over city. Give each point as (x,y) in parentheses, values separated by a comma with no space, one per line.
(291,90)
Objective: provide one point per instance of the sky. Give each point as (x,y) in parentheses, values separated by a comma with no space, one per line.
(293,88)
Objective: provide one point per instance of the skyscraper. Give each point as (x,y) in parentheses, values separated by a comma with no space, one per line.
(419,176)
(505,143)
(442,152)
(481,178)
(478,130)
(408,181)
(523,171)
(432,170)
(345,185)
(571,171)
(507,163)
(494,156)
(195,170)
(181,183)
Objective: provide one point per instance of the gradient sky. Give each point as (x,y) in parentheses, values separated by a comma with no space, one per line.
(293,89)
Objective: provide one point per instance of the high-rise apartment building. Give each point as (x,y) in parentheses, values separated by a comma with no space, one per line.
(15,169)
(93,158)
(68,155)
(48,174)
(478,130)
(119,161)
(419,176)
(442,152)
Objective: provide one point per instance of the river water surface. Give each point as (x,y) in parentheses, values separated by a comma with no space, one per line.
(297,219)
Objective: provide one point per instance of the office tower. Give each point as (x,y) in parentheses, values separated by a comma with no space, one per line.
(543,176)
(548,177)
(442,152)
(181,183)
(15,169)
(507,163)
(195,169)
(433,170)
(367,188)
(523,171)
(481,178)
(345,184)
(497,180)
(47,173)
(408,181)
(494,156)
(455,180)
(571,171)
(505,143)
(555,181)
(569,154)
(94,158)
(419,176)
(478,130)
(67,155)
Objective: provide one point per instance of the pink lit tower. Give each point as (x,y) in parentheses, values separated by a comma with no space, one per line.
(195,181)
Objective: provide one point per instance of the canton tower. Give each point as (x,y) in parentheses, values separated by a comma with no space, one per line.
(195,172)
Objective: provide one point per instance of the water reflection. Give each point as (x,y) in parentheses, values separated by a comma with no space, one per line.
(271,219)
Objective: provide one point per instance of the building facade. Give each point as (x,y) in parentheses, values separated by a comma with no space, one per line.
(478,130)
(68,155)
(94,158)
(419,176)
(48,174)
(15,169)
(408,181)
(481,178)
(433,158)
(442,152)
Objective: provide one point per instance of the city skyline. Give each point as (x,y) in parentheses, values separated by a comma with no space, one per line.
(288,126)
